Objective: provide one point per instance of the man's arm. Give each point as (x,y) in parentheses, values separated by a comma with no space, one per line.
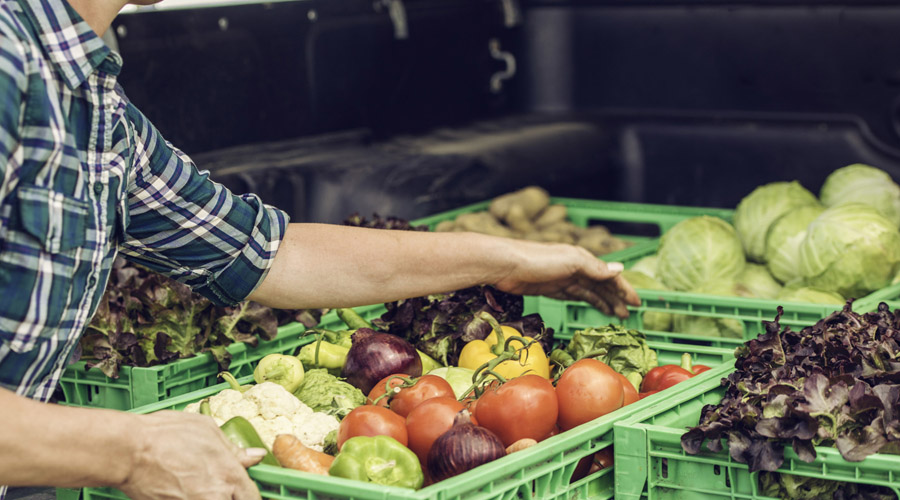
(144,455)
(319,265)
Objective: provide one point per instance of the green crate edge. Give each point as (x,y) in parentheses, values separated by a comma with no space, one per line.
(634,435)
(550,463)
(139,386)
(751,313)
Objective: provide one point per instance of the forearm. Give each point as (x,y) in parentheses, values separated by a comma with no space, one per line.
(319,265)
(50,445)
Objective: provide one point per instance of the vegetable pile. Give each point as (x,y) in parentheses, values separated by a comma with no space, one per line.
(785,245)
(836,383)
(528,214)
(366,405)
(146,319)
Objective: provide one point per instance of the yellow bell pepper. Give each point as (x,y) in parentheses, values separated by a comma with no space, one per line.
(531,361)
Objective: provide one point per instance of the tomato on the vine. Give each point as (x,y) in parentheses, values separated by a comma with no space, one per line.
(425,388)
(371,420)
(586,390)
(380,388)
(523,407)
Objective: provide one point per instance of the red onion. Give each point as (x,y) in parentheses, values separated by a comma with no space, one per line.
(374,356)
(463,447)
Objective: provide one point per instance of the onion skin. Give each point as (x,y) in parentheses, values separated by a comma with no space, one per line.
(375,355)
(462,448)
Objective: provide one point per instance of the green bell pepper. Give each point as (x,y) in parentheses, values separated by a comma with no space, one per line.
(240,431)
(378,459)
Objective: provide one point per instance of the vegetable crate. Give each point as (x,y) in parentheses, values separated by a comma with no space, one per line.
(626,220)
(651,464)
(744,313)
(140,386)
(543,471)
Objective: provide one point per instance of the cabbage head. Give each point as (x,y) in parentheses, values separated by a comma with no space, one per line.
(860,183)
(850,249)
(698,251)
(705,326)
(763,206)
(652,320)
(811,295)
(783,242)
(755,278)
(647,265)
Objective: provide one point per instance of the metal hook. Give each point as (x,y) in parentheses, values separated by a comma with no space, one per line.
(507,57)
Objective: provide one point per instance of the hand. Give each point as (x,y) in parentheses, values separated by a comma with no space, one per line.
(186,456)
(569,272)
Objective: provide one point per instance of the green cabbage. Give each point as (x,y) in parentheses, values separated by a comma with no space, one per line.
(697,251)
(783,241)
(756,279)
(811,295)
(647,265)
(763,206)
(850,249)
(705,326)
(863,184)
(658,321)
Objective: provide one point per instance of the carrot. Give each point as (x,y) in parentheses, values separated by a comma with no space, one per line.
(293,454)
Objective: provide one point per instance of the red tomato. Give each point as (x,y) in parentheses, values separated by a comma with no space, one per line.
(629,392)
(698,369)
(429,420)
(663,377)
(379,389)
(523,407)
(371,420)
(643,395)
(425,388)
(586,390)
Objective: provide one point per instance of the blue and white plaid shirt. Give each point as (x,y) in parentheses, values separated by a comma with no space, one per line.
(84,175)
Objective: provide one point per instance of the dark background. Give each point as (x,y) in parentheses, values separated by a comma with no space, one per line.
(316,106)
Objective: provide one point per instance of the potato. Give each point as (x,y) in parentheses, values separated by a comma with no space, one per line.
(518,220)
(551,215)
(600,242)
(482,222)
(445,225)
(532,200)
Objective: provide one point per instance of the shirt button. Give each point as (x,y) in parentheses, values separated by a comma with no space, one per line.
(98,187)
(92,281)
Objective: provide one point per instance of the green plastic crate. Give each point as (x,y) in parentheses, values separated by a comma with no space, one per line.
(585,213)
(543,471)
(650,463)
(68,493)
(139,386)
(568,316)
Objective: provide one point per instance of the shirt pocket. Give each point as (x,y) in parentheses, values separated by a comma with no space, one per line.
(58,221)
(41,260)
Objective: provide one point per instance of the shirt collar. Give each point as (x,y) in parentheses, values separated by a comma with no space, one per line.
(70,43)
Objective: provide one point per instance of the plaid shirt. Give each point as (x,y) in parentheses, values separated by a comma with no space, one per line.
(85,175)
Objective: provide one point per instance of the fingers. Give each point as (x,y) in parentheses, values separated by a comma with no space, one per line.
(246,489)
(251,456)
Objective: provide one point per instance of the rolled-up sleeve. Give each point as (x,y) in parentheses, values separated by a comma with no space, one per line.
(186,226)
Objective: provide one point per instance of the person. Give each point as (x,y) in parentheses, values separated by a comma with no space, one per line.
(85,176)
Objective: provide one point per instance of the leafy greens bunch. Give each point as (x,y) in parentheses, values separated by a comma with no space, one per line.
(836,383)
(146,319)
